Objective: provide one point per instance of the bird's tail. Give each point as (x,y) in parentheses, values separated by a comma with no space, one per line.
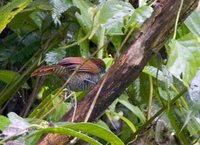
(44,70)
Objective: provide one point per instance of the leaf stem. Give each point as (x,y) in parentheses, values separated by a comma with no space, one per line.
(177,18)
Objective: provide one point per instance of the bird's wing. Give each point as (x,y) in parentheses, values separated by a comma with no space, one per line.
(44,70)
(72,63)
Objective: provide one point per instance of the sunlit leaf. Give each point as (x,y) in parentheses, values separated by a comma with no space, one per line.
(108,62)
(4,122)
(139,16)
(193,23)
(142,3)
(8,12)
(184,59)
(112,15)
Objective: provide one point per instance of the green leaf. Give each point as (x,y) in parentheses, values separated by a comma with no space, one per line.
(8,12)
(184,59)
(154,72)
(40,5)
(134,109)
(112,15)
(108,61)
(175,121)
(13,87)
(96,130)
(193,23)
(4,122)
(23,19)
(60,110)
(32,18)
(40,109)
(139,16)
(84,46)
(103,124)
(193,125)
(8,76)
(86,14)
(142,3)
(33,138)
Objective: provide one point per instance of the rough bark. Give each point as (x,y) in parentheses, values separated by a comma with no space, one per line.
(152,36)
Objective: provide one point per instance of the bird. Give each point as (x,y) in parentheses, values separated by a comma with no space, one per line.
(86,76)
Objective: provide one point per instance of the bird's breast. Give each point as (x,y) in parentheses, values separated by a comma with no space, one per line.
(82,81)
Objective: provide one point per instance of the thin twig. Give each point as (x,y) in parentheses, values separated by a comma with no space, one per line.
(95,99)
(75,108)
(32,97)
(150,97)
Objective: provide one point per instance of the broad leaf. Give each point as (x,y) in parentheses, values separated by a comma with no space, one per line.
(112,15)
(184,59)
(8,76)
(4,122)
(134,109)
(33,137)
(193,23)
(8,12)
(96,130)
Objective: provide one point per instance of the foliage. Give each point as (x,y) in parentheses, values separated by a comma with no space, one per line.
(38,32)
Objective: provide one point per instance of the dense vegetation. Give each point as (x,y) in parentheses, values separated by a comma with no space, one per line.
(160,107)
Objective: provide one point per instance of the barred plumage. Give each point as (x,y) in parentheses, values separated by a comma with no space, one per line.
(85,78)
